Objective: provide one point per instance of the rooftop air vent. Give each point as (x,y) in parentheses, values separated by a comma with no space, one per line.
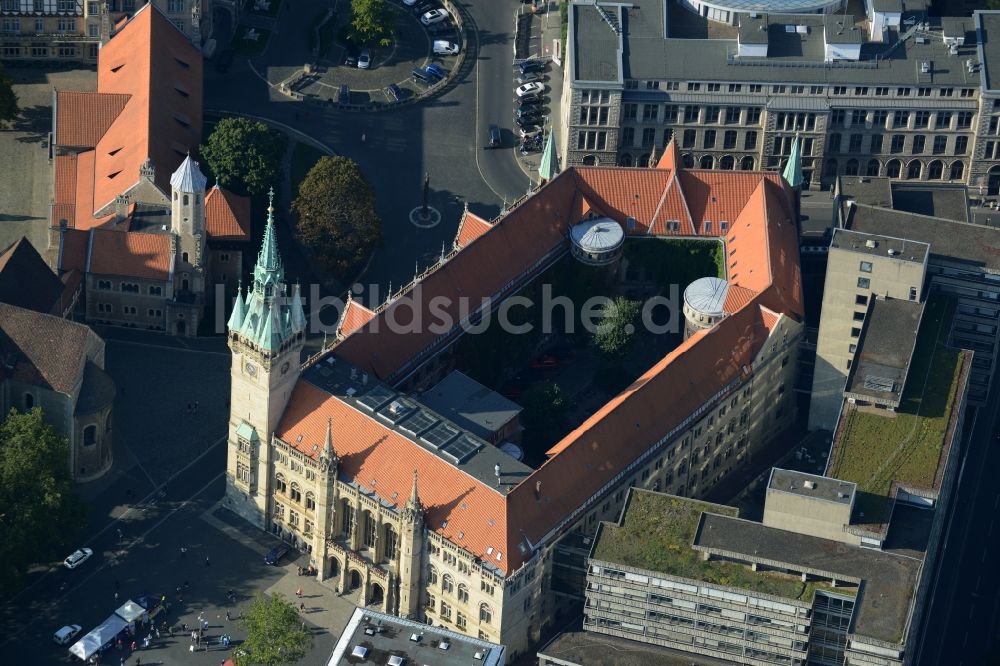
(893,253)
(871,244)
(811,485)
(925,68)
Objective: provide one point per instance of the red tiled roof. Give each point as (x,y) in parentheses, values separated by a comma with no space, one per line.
(528,232)
(153,62)
(227,215)
(73,250)
(355,316)
(369,452)
(82,118)
(46,350)
(672,207)
(470,228)
(764,283)
(671,158)
(132,254)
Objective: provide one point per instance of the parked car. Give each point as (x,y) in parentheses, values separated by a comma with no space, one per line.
(529,77)
(528,130)
(78,558)
(436,70)
(424,6)
(444,47)
(533,112)
(530,90)
(434,16)
(66,634)
(531,66)
(530,102)
(420,75)
(530,121)
(493,137)
(365,59)
(441,28)
(395,91)
(275,554)
(344,95)
(351,57)
(410,3)
(225,61)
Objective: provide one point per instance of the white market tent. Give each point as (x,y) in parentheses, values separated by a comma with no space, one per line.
(92,642)
(130,611)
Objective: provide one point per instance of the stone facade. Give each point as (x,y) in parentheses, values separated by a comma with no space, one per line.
(71,30)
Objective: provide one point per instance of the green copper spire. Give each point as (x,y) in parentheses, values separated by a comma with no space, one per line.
(547,169)
(269,261)
(793,169)
(239,310)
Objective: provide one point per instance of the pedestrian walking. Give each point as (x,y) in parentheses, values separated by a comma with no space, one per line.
(298,593)
(122,662)
(363,137)
(227,616)
(183,551)
(206,561)
(191,647)
(116,595)
(184,627)
(134,646)
(302,607)
(138,660)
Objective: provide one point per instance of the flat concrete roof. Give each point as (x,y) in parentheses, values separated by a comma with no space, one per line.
(989,50)
(811,485)
(793,57)
(888,581)
(471,405)
(384,636)
(870,244)
(950,202)
(882,359)
(589,648)
(960,242)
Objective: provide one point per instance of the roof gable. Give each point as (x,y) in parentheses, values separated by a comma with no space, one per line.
(227,215)
(82,118)
(470,228)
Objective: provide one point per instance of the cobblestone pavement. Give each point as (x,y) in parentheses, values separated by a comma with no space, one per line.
(26,187)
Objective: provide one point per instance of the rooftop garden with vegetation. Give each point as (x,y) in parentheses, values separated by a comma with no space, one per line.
(657,534)
(876,448)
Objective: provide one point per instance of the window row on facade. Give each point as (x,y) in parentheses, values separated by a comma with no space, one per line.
(800,89)
(894,168)
(910,144)
(902,119)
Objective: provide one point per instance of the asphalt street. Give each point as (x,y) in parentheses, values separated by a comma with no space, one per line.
(442,137)
(963,620)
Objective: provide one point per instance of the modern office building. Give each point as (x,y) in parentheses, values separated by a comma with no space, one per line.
(402,505)
(885,91)
(962,262)
(861,269)
(73,30)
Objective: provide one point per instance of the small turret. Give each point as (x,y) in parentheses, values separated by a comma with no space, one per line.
(329,455)
(239,310)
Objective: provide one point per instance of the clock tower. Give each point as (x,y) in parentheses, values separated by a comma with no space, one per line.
(266,333)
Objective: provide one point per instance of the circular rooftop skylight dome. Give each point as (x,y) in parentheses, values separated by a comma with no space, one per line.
(597,241)
(703,304)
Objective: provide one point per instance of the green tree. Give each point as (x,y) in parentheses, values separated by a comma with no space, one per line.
(993,4)
(275,632)
(616,332)
(544,412)
(372,21)
(8,99)
(39,513)
(244,155)
(337,220)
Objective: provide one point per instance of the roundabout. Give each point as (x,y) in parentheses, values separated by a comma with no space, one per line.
(403,71)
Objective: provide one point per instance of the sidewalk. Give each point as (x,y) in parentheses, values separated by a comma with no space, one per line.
(324,608)
(545,26)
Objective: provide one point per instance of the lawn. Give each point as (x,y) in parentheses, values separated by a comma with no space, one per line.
(673,261)
(874,449)
(657,534)
(304,156)
(249,47)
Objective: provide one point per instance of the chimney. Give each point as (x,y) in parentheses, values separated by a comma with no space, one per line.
(121,207)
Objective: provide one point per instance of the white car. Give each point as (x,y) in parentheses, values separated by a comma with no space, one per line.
(78,558)
(66,634)
(434,16)
(442,47)
(365,59)
(410,3)
(530,89)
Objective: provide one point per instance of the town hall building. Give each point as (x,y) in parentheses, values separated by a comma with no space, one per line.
(402,508)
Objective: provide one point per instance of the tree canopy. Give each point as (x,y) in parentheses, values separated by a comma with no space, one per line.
(245,155)
(39,513)
(275,632)
(337,220)
(8,99)
(617,329)
(372,22)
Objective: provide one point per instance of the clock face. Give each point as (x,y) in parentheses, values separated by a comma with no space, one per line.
(250,368)
(284,367)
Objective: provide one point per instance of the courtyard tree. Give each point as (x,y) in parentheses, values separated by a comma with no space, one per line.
(544,413)
(372,22)
(39,513)
(337,220)
(616,331)
(8,99)
(244,155)
(275,632)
